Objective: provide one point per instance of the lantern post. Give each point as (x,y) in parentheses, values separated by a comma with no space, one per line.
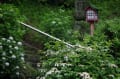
(91,17)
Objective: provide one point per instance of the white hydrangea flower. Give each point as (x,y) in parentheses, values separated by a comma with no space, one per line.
(85,75)
(89,49)
(22,58)
(22,54)
(8,41)
(13,56)
(3,58)
(38,64)
(3,39)
(17,67)
(10,46)
(17,73)
(53,22)
(112,76)
(16,47)
(10,52)
(42,78)
(113,65)
(63,64)
(24,67)
(19,43)
(56,64)
(42,70)
(54,69)
(7,63)
(11,38)
(14,41)
(48,73)
(66,58)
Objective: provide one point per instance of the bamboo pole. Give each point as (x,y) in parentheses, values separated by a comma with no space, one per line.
(46,34)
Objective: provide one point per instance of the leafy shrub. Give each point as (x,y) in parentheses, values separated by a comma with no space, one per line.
(11,58)
(9,17)
(74,63)
(11,52)
(109,31)
(57,24)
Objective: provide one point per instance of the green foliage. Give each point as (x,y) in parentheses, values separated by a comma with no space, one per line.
(100,63)
(57,23)
(73,63)
(9,17)
(107,9)
(11,51)
(110,29)
(11,58)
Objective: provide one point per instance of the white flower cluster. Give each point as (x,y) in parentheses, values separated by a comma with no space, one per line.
(66,58)
(51,52)
(111,76)
(53,70)
(38,65)
(42,70)
(7,63)
(62,64)
(10,52)
(84,75)
(112,65)
(40,77)
(53,22)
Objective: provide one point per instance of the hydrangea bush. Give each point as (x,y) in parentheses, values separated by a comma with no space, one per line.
(11,58)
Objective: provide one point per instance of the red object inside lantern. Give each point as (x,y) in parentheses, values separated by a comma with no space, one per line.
(91,15)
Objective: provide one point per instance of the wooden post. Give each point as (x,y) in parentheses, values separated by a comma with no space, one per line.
(92,28)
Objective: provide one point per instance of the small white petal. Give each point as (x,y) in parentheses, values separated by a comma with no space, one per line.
(14,41)
(8,41)
(10,46)
(19,43)
(17,73)
(3,39)
(24,67)
(11,38)
(53,22)
(3,58)
(10,52)
(17,67)
(7,63)
(22,55)
(22,58)
(13,56)
(16,47)
(38,64)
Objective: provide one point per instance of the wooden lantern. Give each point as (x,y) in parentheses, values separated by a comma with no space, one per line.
(91,17)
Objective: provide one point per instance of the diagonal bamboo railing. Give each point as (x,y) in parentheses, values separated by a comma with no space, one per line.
(46,34)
